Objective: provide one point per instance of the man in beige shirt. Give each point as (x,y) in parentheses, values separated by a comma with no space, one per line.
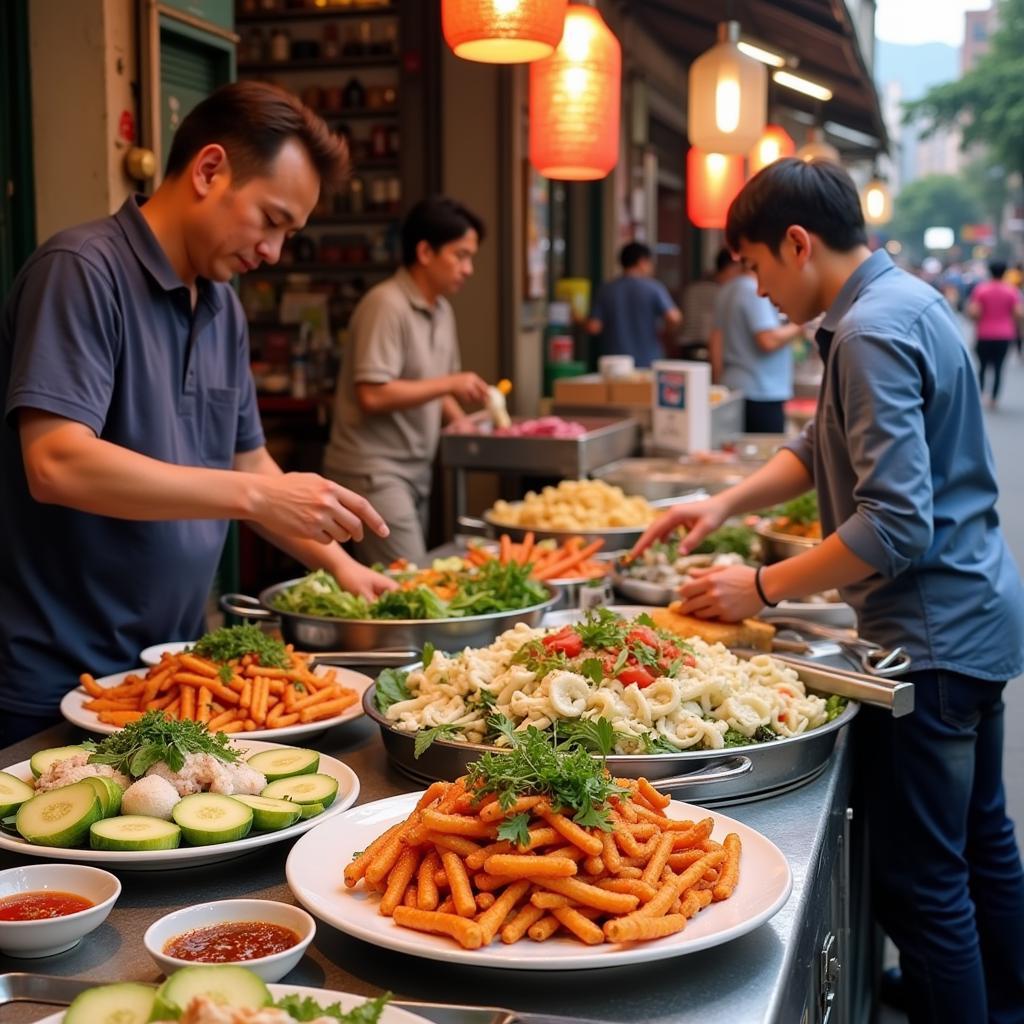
(401,379)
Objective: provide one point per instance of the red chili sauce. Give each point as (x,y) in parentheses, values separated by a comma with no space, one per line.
(36,906)
(231,941)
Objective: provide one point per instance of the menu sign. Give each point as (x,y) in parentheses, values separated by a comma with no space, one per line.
(681,413)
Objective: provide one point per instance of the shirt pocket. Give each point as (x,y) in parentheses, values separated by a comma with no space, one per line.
(219,427)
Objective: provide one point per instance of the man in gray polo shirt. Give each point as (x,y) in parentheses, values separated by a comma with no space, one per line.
(130,434)
(401,379)
(906,484)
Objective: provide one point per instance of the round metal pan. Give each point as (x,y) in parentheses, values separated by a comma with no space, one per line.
(777,546)
(323,633)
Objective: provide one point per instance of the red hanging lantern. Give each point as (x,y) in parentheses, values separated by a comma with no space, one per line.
(574,101)
(503,31)
(713,180)
(774,144)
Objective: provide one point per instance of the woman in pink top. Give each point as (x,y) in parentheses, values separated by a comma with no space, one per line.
(996,306)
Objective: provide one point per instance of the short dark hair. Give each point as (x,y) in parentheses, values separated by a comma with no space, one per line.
(817,194)
(437,221)
(725,258)
(252,121)
(997,268)
(632,253)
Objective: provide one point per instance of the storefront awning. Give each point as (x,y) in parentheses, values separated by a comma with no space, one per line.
(819,34)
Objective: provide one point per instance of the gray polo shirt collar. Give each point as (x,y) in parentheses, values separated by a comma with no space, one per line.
(152,257)
(412,292)
(874,266)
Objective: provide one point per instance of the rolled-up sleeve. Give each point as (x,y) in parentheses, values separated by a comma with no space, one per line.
(880,386)
(802,446)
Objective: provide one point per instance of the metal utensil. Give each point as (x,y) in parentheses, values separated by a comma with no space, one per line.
(40,988)
(872,658)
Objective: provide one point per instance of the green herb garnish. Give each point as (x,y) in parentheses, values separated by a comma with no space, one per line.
(762,734)
(231,642)
(391,688)
(429,650)
(799,510)
(596,735)
(516,829)
(835,706)
(426,737)
(134,749)
(602,628)
(307,1009)
(574,781)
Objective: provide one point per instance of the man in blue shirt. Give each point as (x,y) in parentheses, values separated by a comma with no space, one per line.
(631,312)
(131,435)
(906,485)
(750,352)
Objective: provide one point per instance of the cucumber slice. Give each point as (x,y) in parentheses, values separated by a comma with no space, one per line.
(60,817)
(284,763)
(270,815)
(223,983)
(42,759)
(124,1003)
(311,810)
(134,832)
(13,793)
(304,789)
(208,818)
(109,793)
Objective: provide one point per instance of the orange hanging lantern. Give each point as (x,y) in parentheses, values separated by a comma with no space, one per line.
(574,101)
(503,31)
(713,180)
(774,144)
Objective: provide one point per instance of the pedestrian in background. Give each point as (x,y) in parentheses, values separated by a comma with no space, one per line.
(631,312)
(997,308)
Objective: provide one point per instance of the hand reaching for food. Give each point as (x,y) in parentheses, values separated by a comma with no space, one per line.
(698,519)
(725,592)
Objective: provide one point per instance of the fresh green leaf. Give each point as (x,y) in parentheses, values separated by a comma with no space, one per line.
(426,737)
(653,743)
(835,706)
(593,669)
(729,539)
(644,619)
(231,642)
(516,829)
(596,735)
(482,698)
(502,725)
(429,650)
(134,749)
(602,629)
(304,1009)
(620,662)
(226,674)
(391,688)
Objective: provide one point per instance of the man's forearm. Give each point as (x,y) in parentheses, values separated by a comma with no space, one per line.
(783,477)
(451,410)
(826,566)
(400,394)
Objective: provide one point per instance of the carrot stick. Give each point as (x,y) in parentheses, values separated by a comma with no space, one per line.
(527,548)
(506,548)
(555,569)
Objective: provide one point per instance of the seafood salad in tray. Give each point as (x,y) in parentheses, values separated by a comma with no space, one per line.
(614,684)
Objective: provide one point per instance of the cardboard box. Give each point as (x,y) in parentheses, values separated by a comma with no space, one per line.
(588,389)
(636,389)
(681,410)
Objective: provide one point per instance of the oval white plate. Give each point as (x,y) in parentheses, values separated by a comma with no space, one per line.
(316,862)
(73,708)
(391,1014)
(152,655)
(192,856)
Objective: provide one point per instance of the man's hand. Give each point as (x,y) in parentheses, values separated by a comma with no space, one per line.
(699,518)
(310,506)
(467,388)
(361,580)
(725,592)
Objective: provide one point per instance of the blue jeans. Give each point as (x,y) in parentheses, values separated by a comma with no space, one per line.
(947,882)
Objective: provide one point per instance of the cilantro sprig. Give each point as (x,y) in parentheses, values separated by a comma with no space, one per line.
(230,642)
(134,749)
(308,1009)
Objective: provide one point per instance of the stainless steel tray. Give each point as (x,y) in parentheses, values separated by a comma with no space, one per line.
(606,440)
(323,633)
(668,478)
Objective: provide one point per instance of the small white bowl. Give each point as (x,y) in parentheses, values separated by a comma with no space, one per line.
(152,655)
(269,968)
(50,935)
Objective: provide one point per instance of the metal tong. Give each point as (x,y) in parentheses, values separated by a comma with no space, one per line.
(868,657)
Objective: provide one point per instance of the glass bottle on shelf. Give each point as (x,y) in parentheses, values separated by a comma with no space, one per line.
(379,141)
(356,196)
(254,47)
(378,194)
(394,193)
(365,36)
(280,49)
(331,46)
(353,96)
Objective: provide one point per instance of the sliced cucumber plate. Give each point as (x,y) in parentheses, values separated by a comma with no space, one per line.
(60,817)
(270,815)
(285,763)
(109,792)
(209,818)
(42,759)
(304,789)
(13,793)
(124,1003)
(223,983)
(134,832)
(310,810)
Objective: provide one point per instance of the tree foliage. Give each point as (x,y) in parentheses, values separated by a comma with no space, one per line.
(935,200)
(987,103)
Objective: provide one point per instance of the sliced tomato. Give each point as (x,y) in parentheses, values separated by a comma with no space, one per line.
(566,641)
(643,635)
(636,674)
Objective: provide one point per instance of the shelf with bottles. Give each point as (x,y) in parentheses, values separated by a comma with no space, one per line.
(315,64)
(299,45)
(254,11)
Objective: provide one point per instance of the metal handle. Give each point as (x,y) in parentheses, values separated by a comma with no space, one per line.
(680,499)
(384,659)
(244,606)
(732,768)
(473,526)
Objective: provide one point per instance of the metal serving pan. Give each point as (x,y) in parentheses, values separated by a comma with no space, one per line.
(777,546)
(659,478)
(324,633)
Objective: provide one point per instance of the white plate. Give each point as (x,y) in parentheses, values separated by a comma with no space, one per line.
(316,862)
(72,707)
(191,856)
(152,655)
(391,1014)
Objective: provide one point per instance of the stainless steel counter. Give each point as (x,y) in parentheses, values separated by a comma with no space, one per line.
(766,976)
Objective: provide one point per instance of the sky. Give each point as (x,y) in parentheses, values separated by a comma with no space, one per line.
(924,21)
